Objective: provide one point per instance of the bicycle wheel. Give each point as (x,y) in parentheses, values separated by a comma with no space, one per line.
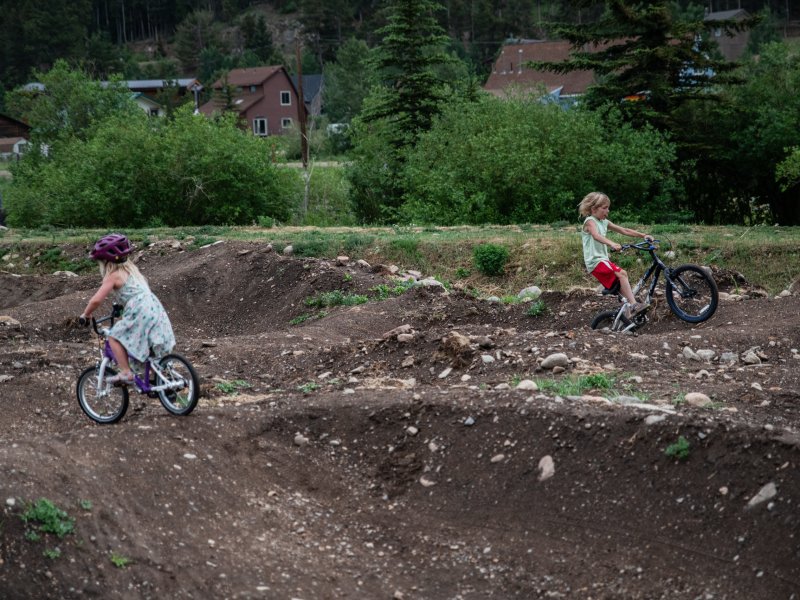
(107,405)
(691,293)
(606,319)
(183,399)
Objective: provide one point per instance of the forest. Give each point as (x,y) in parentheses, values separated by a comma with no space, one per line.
(713,142)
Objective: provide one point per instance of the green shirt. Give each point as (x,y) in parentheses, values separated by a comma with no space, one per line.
(594,251)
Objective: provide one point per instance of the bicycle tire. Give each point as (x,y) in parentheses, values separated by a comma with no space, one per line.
(183,401)
(692,293)
(104,410)
(606,319)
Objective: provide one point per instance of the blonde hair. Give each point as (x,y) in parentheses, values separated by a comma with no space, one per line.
(107,267)
(591,201)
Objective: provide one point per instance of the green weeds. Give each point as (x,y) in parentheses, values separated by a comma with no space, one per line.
(46,517)
(233,387)
(537,308)
(120,561)
(336,298)
(679,450)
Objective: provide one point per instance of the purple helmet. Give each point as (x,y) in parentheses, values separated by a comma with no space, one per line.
(113,247)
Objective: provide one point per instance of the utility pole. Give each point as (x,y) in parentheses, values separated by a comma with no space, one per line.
(301,109)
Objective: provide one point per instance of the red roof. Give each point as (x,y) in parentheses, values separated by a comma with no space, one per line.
(509,71)
(245,77)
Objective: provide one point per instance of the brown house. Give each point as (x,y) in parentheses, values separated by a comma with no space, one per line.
(731,47)
(265,98)
(11,128)
(510,75)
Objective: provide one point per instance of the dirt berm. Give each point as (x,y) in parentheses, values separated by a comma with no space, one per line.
(330,457)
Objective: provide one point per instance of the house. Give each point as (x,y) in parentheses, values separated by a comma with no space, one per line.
(151,89)
(510,75)
(148,105)
(10,128)
(312,93)
(12,147)
(265,98)
(733,47)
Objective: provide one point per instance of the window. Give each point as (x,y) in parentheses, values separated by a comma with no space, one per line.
(286,123)
(153,112)
(286,98)
(253,89)
(260,126)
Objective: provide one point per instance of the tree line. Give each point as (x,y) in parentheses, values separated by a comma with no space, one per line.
(709,141)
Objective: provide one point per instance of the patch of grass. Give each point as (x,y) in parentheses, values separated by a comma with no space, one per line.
(120,561)
(537,308)
(336,298)
(312,248)
(201,240)
(266,222)
(384,291)
(576,386)
(510,299)
(48,518)
(309,387)
(233,387)
(679,450)
(357,243)
(347,278)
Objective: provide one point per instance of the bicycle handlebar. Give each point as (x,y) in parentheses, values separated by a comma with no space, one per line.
(643,246)
(116,312)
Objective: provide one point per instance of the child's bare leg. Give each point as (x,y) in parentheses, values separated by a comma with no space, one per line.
(625,286)
(120,355)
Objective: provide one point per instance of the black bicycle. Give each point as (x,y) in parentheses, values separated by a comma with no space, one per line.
(690,291)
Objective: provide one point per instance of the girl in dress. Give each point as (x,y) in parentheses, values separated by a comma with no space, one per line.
(144,329)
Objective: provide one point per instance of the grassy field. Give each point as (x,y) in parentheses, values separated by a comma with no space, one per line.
(547,256)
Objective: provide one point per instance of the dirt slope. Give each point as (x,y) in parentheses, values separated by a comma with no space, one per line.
(353,464)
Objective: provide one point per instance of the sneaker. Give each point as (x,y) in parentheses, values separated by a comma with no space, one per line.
(637,308)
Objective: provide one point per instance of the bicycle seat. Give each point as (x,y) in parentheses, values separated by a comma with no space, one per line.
(613,290)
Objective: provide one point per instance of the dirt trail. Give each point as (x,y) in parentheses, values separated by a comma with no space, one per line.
(353,464)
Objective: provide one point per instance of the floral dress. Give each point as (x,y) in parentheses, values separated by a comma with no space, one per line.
(144,328)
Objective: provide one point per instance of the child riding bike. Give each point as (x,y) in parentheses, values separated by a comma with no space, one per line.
(144,328)
(595,207)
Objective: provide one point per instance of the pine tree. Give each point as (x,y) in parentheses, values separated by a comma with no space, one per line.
(639,51)
(412,45)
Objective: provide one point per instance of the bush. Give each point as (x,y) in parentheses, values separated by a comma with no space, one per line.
(490,259)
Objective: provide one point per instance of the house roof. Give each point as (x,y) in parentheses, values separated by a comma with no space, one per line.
(253,76)
(312,85)
(510,72)
(726,15)
(217,103)
(13,121)
(150,84)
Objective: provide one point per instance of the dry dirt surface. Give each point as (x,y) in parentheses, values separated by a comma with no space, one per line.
(337,458)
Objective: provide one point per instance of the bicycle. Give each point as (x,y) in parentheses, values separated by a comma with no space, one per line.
(691,293)
(172,379)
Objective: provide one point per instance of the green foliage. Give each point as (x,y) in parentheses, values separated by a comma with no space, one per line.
(48,518)
(328,199)
(266,222)
(384,291)
(575,386)
(85,505)
(233,387)
(309,387)
(537,308)
(316,248)
(71,105)
(120,561)
(788,171)
(518,160)
(184,171)
(347,81)
(336,298)
(462,273)
(52,553)
(197,32)
(490,259)
(679,449)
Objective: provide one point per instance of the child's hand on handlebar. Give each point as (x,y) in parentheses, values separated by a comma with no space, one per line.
(649,238)
(83,321)
(615,246)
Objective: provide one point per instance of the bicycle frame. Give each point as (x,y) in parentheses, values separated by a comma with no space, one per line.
(655,269)
(142,382)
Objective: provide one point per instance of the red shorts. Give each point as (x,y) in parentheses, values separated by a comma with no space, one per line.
(605,271)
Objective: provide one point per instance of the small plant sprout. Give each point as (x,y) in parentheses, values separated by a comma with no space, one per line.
(52,553)
(120,561)
(85,504)
(537,308)
(678,450)
(309,387)
(347,277)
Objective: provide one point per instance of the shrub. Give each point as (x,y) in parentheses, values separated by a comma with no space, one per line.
(490,259)
(49,517)
(679,449)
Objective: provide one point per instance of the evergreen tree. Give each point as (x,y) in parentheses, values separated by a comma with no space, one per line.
(347,81)
(412,45)
(639,49)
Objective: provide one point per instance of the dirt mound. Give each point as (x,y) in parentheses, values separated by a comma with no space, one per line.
(383,450)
